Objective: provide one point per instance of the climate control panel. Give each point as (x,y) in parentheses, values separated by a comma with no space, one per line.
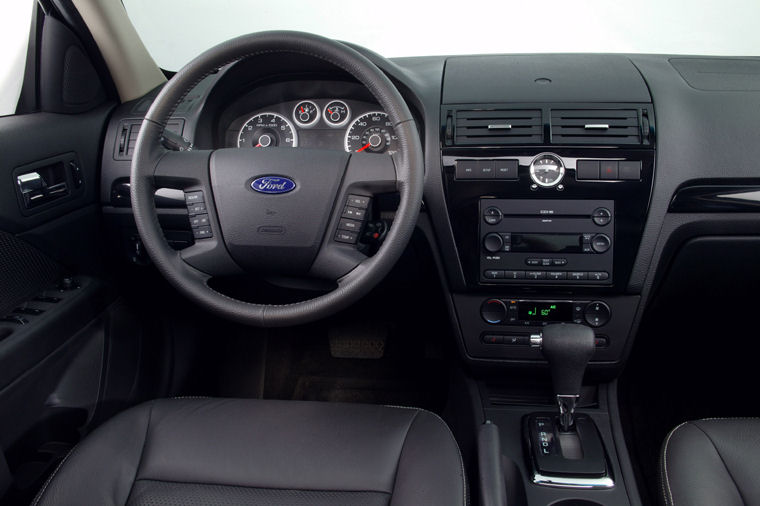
(498,311)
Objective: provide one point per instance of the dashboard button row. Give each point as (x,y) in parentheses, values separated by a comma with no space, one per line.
(608,170)
(546,262)
(486,169)
(547,275)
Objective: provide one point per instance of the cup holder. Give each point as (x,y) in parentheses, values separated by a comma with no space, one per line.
(576,502)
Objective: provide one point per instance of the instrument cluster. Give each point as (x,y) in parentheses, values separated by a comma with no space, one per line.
(323,123)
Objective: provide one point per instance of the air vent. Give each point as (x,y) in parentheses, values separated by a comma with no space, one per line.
(595,126)
(126,137)
(483,127)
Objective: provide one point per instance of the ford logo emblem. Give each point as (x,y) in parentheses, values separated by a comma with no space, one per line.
(273,184)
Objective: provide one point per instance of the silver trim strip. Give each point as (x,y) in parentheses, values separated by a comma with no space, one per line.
(596,126)
(505,126)
(573,482)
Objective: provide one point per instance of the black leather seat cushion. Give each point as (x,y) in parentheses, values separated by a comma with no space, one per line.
(712,462)
(253,452)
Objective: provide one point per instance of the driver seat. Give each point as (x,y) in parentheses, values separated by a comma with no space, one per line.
(218,452)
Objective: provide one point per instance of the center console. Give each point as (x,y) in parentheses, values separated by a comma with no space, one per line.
(548,175)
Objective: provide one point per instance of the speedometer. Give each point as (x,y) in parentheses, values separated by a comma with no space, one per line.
(266,130)
(372,133)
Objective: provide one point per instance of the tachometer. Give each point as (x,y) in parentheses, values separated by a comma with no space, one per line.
(372,133)
(266,130)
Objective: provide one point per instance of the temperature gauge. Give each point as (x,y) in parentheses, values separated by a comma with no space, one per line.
(306,113)
(337,113)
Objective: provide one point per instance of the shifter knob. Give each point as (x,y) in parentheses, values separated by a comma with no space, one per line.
(568,347)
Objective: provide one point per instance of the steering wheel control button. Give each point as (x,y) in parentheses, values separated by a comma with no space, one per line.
(200,220)
(359,201)
(493,242)
(354,213)
(597,314)
(608,170)
(505,169)
(493,215)
(493,311)
(193,197)
(493,274)
(587,170)
(350,225)
(601,216)
(601,243)
(202,233)
(629,171)
(198,208)
(346,236)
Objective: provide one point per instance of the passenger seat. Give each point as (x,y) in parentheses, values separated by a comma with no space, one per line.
(712,462)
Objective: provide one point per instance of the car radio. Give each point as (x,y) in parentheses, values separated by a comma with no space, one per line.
(546,241)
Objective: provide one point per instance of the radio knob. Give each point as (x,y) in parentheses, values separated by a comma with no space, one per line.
(600,243)
(493,311)
(493,242)
(492,215)
(597,314)
(601,216)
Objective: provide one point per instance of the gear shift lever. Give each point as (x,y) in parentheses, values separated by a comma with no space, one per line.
(568,348)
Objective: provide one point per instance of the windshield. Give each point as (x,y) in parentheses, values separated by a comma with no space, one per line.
(175,31)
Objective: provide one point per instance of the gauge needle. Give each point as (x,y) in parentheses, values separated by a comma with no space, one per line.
(302,109)
(329,111)
(257,145)
(363,148)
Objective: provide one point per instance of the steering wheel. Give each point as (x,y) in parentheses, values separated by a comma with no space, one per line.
(275,210)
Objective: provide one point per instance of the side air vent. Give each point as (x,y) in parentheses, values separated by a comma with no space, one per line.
(484,127)
(595,126)
(126,136)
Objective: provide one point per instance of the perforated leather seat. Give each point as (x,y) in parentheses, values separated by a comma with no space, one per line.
(252,452)
(712,462)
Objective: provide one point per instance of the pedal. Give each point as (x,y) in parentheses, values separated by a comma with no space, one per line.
(358,340)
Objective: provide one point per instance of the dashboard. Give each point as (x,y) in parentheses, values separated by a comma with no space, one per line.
(557,187)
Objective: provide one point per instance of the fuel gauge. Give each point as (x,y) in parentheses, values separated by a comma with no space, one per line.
(306,113)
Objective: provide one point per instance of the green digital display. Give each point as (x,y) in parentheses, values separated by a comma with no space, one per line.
(545,311)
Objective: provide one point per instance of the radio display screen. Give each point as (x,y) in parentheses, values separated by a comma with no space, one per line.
(547,243)
(545,311)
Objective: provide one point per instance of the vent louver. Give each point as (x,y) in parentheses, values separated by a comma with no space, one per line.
(595,126)
(483,127)
(126,138)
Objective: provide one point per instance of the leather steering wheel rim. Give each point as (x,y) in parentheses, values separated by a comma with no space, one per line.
(148,153)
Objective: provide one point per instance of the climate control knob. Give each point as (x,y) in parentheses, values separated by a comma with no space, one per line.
(597,314)
(493,242)
(493,311)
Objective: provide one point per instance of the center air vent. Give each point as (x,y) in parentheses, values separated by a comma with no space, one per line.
(595,126)
(483,127)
